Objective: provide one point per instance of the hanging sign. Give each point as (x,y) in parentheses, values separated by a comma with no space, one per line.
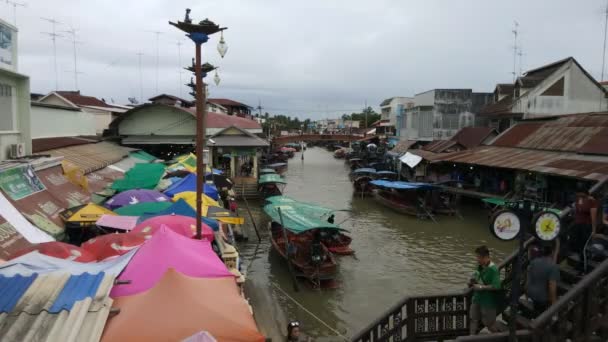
(20,182)
(547,225)
(505,225)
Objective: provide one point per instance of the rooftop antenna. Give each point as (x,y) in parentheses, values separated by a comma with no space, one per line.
(54,36)
(157,33)
(604,52)
(141,83)
(515,33)
(179,63)
(15,4)
(72,32)
(520,54)
(259,107)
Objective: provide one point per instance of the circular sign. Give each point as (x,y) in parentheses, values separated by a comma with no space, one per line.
(547,225)
(506,225)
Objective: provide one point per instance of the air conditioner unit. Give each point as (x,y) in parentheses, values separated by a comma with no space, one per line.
(17,150)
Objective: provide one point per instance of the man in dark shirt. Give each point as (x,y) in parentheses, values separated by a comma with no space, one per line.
(541,284)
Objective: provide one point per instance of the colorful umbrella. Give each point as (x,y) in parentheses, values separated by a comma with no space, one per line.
(188,183)
(182,208)
(190,198)
(142,208)
(118,222)
(178,174)
(58,250)
(134,197)
(109,245)
(83,215)
(211,208)
(182,225)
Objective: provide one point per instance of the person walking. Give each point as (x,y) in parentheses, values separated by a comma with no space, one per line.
(541,281)
(485,283)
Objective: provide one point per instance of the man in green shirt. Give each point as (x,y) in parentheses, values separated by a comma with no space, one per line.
(485,283)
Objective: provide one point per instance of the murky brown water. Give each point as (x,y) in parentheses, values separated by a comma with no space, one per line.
(396,255)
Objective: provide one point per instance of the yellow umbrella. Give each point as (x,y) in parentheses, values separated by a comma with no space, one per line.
(84,215)
(187,162)
(211,208)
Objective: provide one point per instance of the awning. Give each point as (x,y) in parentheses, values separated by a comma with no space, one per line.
(410,159)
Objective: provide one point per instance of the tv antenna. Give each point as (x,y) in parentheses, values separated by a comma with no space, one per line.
(157,33)
(141,83)
(515,33)
(520,54)
(15,4)
(259,107)
(54,36)
(72,32)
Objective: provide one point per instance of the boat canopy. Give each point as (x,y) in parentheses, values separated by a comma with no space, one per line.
(265,171)
(271,178)
(401,185)
(296,218)
(276,165)
(386,173)
(364,170)
(354,159)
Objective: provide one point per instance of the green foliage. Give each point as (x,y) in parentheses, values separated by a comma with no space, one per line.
(372,117)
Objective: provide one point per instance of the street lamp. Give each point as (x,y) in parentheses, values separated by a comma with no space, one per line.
(199,34)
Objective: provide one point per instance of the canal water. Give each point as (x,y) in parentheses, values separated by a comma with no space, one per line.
(396,255)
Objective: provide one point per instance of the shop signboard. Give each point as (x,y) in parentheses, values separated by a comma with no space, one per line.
(20,182)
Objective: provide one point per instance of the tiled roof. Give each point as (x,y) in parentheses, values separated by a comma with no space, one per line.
(227,102)
(81,100)
(36,306)
(45,144)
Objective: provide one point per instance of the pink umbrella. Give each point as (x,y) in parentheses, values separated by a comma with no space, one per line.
(183,225)
(167,249)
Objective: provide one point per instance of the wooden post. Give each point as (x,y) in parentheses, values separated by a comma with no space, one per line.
(289,265)
(200,141)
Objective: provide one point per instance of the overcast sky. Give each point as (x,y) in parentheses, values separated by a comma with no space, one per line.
(312,58)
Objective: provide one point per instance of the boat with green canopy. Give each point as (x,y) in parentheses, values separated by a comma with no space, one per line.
(271,184)
(266,171)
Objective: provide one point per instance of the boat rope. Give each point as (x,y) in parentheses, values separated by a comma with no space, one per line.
(311,314)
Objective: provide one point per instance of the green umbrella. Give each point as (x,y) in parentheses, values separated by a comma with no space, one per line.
(142,208)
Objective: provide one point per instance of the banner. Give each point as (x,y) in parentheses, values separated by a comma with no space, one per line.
(20,182)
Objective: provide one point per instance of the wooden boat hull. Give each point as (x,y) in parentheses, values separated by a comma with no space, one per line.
(303,266)
(266,190)
(381,198)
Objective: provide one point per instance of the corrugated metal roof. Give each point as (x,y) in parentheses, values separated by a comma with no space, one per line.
(12,289)
(45,144)
(473,136)
(92,157)
(59,307)
(556,163)
(402,146)
(514,135)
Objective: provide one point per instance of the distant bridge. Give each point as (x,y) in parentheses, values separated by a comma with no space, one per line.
(315,137)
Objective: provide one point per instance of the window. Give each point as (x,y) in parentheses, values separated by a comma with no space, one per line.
(7,108)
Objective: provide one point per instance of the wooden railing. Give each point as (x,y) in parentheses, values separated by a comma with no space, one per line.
(430,318)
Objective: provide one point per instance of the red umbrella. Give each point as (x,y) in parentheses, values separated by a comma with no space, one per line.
(109,245)
(183,225)
(58,250)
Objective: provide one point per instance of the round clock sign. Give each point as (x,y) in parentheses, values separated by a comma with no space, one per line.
(547,225)
(506,225)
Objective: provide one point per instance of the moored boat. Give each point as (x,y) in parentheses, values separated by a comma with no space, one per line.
(361,179)
(387,175)
(277,167)
(271,184)
(406,198)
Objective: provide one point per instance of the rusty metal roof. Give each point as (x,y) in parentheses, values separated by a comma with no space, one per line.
(473,136)
(402,146)
(56,307)
(556,163)
(91,157)
(10,239)
(44,144)
(439,146)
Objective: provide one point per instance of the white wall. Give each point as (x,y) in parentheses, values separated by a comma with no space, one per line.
(425,99)
(159,121)
(54,122)
(21,110)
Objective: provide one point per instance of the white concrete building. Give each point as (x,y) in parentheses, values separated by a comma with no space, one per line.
(15,135)
(392,108)
(559,88)
(52,121)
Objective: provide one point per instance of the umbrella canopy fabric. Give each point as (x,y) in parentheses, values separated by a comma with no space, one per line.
(190,198)
(178,174)
(220,181)
(211,208)
(59,250)
(179,306)
(134,197)
(111,245)
(141,176)
(167,249)
(201,336)
(117,222)
(84,215)
(183,225)
(142,208)
(188,183)
(182,208)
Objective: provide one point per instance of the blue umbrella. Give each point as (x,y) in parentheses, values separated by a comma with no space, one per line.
(188,183)
(184,209)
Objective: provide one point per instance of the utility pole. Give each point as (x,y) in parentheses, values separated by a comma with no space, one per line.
(141,83)
(179,63)
(72,32)
(53,36)
(365,112)
(520,54)
(157,33)
(515,33)
(604,53)
(15,4)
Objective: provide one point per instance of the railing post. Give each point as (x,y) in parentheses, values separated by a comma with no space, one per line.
(410,320)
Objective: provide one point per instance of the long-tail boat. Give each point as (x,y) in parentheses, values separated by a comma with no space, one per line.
(404,197)
(271,184)
(361,179)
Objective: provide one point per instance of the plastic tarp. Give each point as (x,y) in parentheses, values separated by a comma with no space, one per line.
(410,159)
(145,156)
(35,262)
(401,185)
(188,183)
(307,208)
(184,209)
(20,224)
(297,219)
(118,222)
(142,208)
(178,307)
(271,178)
(141,176)
(167,249)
